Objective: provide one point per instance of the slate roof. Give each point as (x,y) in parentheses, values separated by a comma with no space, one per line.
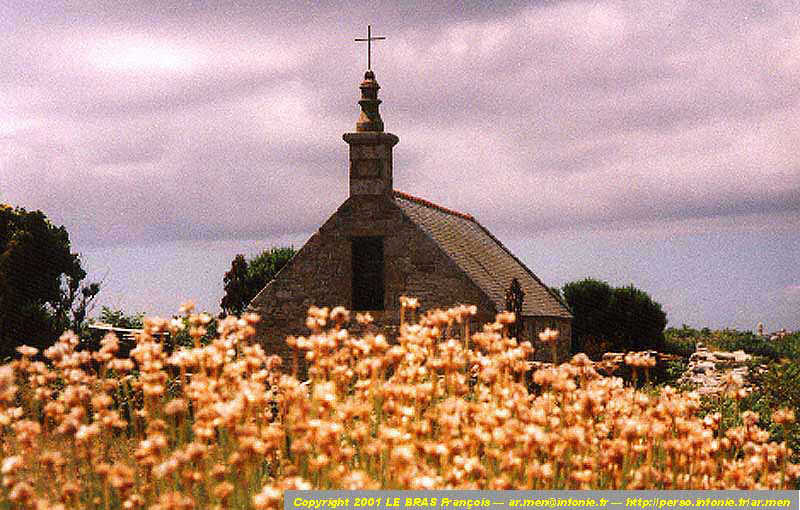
(481,256)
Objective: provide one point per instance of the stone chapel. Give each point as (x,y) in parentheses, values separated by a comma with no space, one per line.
(382,244)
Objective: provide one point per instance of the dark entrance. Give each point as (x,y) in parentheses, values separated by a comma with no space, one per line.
(368,288)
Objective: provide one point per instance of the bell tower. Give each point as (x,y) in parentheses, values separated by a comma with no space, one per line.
(370,147)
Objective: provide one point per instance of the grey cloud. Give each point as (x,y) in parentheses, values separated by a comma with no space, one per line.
(253,13)
(576,101)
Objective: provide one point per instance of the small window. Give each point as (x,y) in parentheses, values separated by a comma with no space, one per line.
(368,289)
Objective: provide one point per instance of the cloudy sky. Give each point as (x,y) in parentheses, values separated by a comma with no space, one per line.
(642,141)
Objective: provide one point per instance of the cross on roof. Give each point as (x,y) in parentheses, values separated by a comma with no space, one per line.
(369,40)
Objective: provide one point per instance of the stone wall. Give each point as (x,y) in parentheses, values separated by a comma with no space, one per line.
(707,370)
(320,274)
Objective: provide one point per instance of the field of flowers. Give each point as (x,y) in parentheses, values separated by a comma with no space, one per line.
(222,425)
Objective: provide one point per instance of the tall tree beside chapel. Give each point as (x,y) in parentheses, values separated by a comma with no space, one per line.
(622,318)
(247,277)
(42,288)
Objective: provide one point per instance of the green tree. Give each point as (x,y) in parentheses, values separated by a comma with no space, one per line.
(638,321)
(246,278)
(120,319)
(237,287)
(557,292)
(624,317)
(590,301)
(42,289)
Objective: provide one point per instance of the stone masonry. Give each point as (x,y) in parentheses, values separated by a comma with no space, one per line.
(442,257)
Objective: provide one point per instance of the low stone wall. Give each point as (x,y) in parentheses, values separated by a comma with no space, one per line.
(708,369)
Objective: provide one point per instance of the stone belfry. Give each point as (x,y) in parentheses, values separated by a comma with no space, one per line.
(370,147)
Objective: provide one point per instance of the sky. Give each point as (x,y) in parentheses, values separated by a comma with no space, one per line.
(636,141)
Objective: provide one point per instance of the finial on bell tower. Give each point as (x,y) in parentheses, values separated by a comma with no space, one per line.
(370,118)
(370,147)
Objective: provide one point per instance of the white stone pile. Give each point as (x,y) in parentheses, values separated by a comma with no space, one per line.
(707,369)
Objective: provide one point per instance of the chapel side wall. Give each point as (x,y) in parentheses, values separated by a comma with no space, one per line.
(313,277)
(321,274)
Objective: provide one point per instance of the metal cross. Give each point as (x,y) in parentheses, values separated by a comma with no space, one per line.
(369,40)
